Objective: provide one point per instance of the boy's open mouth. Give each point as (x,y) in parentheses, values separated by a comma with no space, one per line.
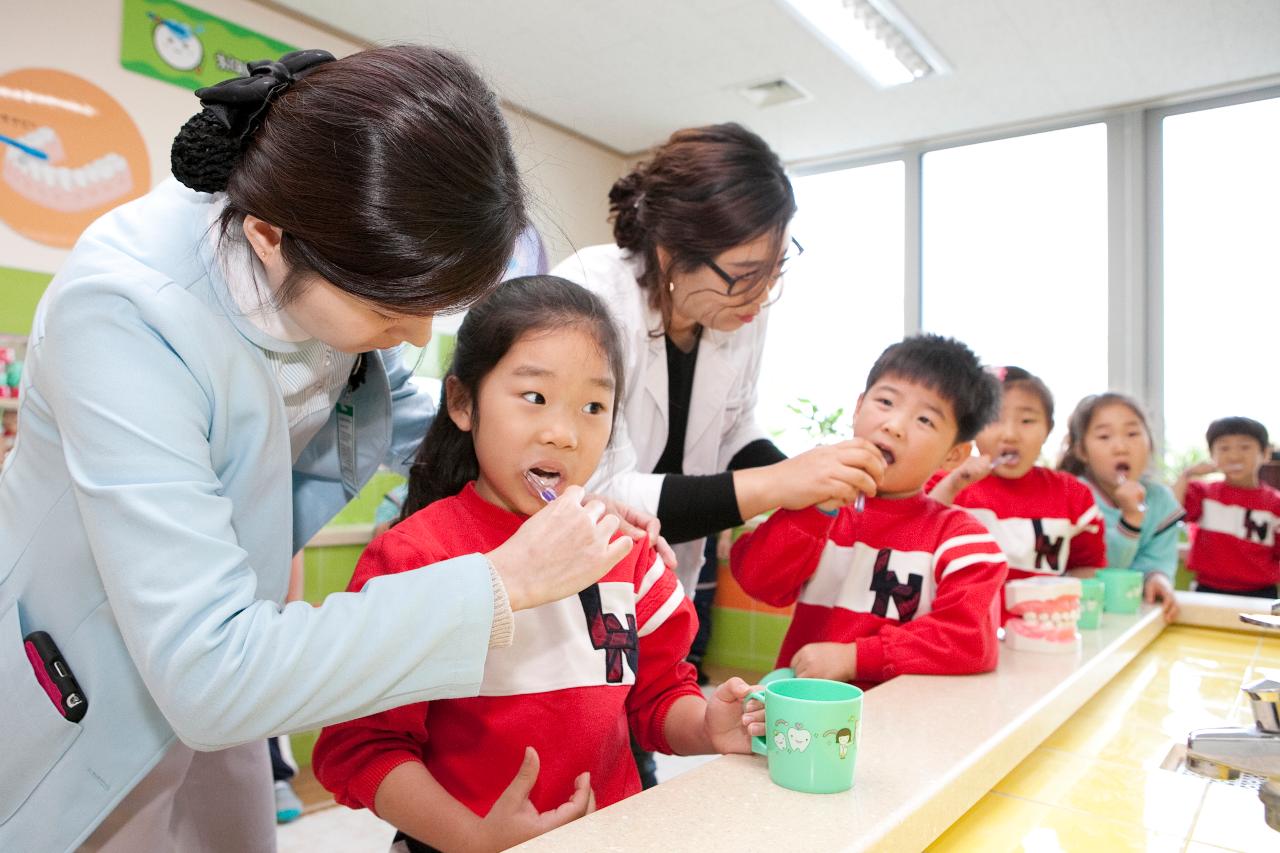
(886,453)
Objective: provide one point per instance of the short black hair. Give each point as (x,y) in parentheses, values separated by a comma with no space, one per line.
(1237,426)
(950,369)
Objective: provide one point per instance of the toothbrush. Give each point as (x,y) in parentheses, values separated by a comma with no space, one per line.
(1004,459)
(24,148)
(1122,475)
(860,503)
(544,491)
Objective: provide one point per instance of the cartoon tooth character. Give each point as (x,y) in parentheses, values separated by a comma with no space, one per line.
(176,43)
(798,738)
(780,735)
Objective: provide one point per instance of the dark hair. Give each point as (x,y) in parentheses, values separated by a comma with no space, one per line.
(706,190)
(1237,426)
(446,461)
(1017,377)
(950,369)
(389,171)
(1078,425)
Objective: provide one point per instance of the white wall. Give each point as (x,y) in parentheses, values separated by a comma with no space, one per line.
(569,177)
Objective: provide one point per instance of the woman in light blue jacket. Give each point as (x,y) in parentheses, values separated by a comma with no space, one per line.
(211,376)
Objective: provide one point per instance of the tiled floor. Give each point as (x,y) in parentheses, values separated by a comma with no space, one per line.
(342,830)
(1096,784)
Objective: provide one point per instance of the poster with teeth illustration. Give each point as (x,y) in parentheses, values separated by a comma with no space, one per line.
(186,46)
(68,153)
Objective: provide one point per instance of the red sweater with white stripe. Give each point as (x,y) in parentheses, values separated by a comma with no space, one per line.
(910,582)
(579,670)
(1045,521)
(1234,545)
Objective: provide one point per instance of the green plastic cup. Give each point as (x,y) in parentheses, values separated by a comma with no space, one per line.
(812,727)
(1122,592)
(1092,593)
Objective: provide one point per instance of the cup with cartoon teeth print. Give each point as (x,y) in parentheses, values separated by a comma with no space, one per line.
(812,727)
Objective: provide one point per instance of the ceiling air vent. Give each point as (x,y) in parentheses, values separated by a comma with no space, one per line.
(772,93)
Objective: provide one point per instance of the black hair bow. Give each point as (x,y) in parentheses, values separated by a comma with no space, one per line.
(238,103)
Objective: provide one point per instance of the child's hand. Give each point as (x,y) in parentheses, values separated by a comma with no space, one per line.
(729,727)
(972,470)
(1200,469)
(836,661)
(1157,588)
(513,818)
(1131,497)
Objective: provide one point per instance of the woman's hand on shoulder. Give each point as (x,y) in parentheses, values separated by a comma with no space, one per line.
(559,551)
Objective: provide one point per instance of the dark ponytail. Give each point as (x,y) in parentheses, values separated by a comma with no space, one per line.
(446,461)
(707,190)
(389,171)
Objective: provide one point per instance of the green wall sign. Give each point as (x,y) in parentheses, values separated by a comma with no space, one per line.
(20,290)
(182,45)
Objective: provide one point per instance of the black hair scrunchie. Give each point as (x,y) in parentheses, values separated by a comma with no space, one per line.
(208,145)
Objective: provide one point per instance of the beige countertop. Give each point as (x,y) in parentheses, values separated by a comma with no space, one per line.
(931,746)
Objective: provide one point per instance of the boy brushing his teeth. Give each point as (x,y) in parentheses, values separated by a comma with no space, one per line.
(1235,549)
(906,585)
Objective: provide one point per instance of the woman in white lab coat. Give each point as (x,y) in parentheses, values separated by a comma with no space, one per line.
(701,239)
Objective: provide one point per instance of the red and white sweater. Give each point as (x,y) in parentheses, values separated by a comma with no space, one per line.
(1045,521)
(910,582)
(577,672)
(1234,544)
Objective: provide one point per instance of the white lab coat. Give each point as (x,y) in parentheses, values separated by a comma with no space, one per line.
(721,407)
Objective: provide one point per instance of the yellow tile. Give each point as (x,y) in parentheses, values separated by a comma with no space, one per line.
(995,823)
(1156,799)
(1197,847)
(1206,643)
(1118,739)
(1067,830)
(1232,818)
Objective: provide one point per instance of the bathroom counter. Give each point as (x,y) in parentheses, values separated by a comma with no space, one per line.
(930,748)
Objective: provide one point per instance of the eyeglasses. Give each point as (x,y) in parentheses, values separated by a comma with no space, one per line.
(732,280)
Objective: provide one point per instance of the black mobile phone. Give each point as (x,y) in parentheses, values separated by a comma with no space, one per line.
(55,676)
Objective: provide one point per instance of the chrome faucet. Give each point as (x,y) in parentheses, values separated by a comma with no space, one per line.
(1225,753)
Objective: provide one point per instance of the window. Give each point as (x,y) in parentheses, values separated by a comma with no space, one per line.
(1221,268)
(1014,257)
(841,304)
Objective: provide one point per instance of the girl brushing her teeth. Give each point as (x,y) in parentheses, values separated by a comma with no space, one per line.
(1045,521)
(1108,446)
(531,399)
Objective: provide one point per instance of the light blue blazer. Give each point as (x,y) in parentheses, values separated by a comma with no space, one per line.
(147,518)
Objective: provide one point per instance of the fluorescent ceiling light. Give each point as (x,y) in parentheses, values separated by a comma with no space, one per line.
(873,36)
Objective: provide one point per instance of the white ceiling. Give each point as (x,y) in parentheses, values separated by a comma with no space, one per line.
(626,74)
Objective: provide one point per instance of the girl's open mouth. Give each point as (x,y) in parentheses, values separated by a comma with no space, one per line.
(543,481)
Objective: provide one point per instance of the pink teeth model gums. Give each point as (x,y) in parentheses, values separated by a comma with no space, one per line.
(1046,611)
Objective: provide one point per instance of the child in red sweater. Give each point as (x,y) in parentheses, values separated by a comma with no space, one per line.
(1046,521)
(906,585)
(533,390)
(1236,548)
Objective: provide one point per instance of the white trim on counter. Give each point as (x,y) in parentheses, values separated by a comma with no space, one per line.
(931,747)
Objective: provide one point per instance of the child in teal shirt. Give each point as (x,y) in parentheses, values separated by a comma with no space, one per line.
(1108,447)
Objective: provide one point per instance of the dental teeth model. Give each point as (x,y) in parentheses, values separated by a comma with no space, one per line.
(60,188)
(1046,611)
